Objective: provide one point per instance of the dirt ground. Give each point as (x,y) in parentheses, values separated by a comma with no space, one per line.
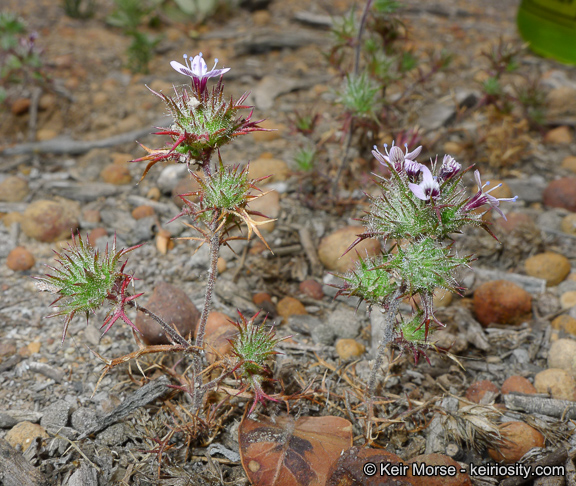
(276,52)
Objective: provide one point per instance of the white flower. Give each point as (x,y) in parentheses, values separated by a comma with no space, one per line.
(197,68)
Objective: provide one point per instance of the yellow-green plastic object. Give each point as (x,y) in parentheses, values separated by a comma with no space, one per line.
(550,28)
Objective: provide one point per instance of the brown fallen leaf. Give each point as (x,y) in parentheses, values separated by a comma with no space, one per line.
(349,469)
(288,452)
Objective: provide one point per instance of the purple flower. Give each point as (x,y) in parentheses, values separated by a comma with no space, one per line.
(198,70)
(396,158)
(428,188)
(449,168)
(481,197)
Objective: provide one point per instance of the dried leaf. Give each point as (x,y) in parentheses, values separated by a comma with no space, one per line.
(288,452)
(349,469)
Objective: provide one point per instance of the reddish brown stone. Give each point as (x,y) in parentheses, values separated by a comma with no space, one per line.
(49,221)
(95,234)
(561,193)
(143,211)
(519,438)
(20,106)
(219,332)
(174,307)
(312,289)
(502,302)
(290,306)
(517,384)
(117,174)
(20,259)
(478,389)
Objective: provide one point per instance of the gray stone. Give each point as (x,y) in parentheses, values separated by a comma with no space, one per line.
(323,334)
(113,435)
(528,190)
(85,476)
(170,176)
(56,415)
(7,421)
(303,324)
(83,192)
(84,419)
(345,322)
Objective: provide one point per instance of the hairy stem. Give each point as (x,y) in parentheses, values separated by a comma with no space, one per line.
(212,274)
(385,340)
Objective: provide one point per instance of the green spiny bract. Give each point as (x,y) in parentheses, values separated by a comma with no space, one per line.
(224,197)
(203,121)
(85,279)
(253,347)
(369,281)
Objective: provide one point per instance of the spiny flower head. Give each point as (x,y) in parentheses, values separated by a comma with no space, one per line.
(253,346)
(418,201)
(203,120)
(85,279)
(224,197)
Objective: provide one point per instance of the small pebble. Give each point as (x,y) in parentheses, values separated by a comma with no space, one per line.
(23,433)
(562,354)
(517,384)
(312,289)
(34,347)
(552,267)
(519,439)
(568,299)
(561,193)
(20,106)
(20,259)
(263,167)
(219,332)
(143,211)
(477,391)
(569,163)
(12,218)
(565,323)
(13,189)
(117,174)
(153,194)
(568,224)
(290,306)
(349,348)
(557,382)
(558,136)
(95,234)
(91,216)
(502,302)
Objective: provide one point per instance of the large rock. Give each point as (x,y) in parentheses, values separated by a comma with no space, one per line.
(174,307)
(50,221)
(502,302)
(332,247)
